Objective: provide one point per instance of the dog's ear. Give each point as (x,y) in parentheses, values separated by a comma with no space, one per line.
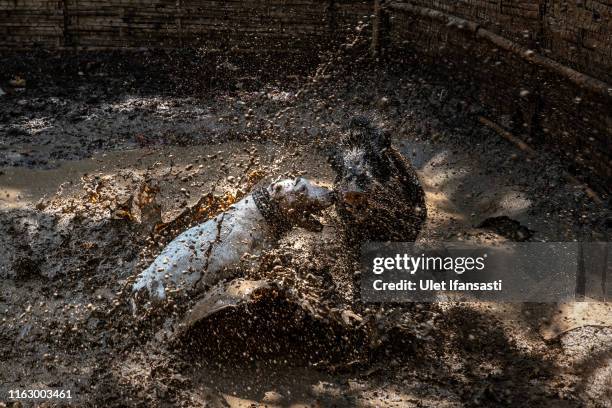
(276,188)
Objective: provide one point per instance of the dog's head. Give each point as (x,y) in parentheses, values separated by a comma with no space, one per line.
(299,198)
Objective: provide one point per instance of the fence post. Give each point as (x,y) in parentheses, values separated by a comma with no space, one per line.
(67,41)
(179,21)
(376,27)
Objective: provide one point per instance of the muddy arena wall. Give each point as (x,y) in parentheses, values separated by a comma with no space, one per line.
(542,67)
(240,24)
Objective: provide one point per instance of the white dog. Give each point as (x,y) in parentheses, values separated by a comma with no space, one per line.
(205,254)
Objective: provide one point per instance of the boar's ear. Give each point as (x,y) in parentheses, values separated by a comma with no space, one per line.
(359,121)
(334,158)
(359,132)
(381,139)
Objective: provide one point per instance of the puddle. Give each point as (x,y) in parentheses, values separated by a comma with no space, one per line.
(200,166)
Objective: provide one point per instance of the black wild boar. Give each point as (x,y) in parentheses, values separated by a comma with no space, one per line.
(380,197)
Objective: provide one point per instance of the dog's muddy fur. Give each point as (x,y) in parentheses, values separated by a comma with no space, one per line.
(212,251)
(75,233)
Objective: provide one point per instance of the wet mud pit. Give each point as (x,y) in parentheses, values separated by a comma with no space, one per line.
(102,169)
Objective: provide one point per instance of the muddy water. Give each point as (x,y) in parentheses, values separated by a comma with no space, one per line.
(461,193)
(462,188)
(202,167)
(70,255)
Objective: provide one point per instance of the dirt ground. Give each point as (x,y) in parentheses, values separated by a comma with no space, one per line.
(91,134)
